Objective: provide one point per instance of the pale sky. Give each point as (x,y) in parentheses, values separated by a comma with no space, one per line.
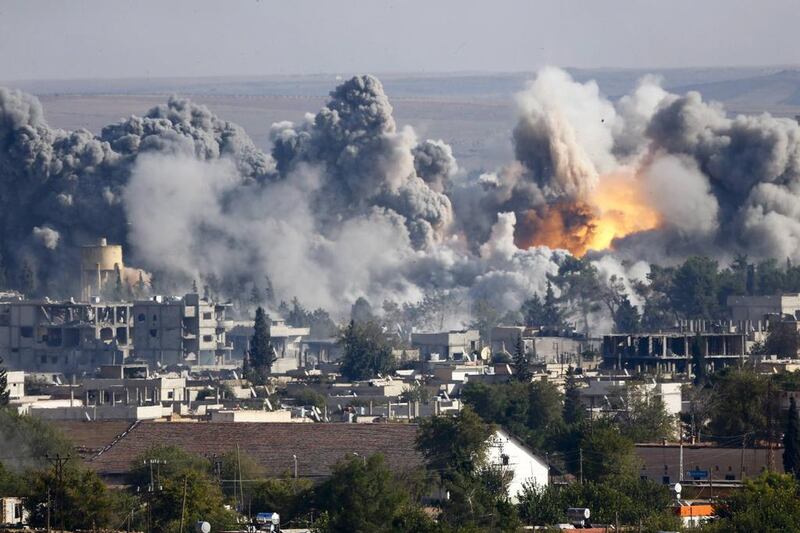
(45,39)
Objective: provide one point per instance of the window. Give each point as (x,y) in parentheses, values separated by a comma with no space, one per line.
(665,480)
(206,316)
(26,331)
(504,457)
(208,338)
(44,359)
(170,395)
(153,333)
(141,317)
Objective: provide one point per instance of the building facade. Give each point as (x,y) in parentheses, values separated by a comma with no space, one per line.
(189,330)
(446,345)
(64,337)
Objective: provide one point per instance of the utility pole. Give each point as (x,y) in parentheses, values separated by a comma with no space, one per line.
(741,462)
(58,463)
(183,505)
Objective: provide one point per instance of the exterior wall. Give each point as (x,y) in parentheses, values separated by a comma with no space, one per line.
(63,337)
(754,308)
(251,416)
(190,330)
(12,512)
(508,453)
(133,391)
(16,384)
(448,344)
(101,412)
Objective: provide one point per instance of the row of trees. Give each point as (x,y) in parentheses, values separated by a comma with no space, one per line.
(696,289)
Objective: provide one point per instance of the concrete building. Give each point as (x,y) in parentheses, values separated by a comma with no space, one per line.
(12,512)
(120,392)
(15,384)
(672,352)
(755,308)
(543,349)
(446,345)
(525,467)
(189,330)
(287,341)
(64,337)
(101,265)
(599,393)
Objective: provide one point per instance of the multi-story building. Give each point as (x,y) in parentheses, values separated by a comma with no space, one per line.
(447,344)
(63,337)
(287,340)
(189,330)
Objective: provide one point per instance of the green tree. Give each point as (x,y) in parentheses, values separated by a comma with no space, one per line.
(694,288)
(608,454)
(740,403)
(361,311)
(174,473)
(766,504)
(522,370)
(626,317)
(574,411)
(580,287)
(367,351)
(291,498)
(643,417)
(455,450)
(262,353)
(4,392)
(552,317)
(699,364)
(364,496)
(791,441)
(532,311)
(783,340)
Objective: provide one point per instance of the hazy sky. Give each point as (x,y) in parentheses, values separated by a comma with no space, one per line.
(42,39)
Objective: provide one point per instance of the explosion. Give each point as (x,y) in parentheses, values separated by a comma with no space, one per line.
(615,208)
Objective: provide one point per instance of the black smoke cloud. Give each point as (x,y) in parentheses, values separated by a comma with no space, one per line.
(347,204)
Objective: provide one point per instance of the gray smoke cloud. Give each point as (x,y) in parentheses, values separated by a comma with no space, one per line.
(346,204)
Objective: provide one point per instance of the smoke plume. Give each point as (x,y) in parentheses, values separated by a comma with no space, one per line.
(346,204)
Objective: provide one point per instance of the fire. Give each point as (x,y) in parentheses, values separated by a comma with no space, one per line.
(614,209)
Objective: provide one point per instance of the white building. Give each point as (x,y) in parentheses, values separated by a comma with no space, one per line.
(12,512)
(600,393)
(15,384)
(510,454)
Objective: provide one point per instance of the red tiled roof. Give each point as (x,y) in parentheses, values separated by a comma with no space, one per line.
(89,438)
(317,446)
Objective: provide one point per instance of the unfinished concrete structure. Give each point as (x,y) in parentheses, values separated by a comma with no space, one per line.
(446,344)
(672,351)
(101,264)
(64,337)
(189,330)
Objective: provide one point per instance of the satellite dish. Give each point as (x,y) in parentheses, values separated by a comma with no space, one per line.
(202,527)
(486,353)
(677,488)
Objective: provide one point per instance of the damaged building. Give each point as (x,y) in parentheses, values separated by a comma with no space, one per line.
(672,352)
(64,337)
(189,330)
